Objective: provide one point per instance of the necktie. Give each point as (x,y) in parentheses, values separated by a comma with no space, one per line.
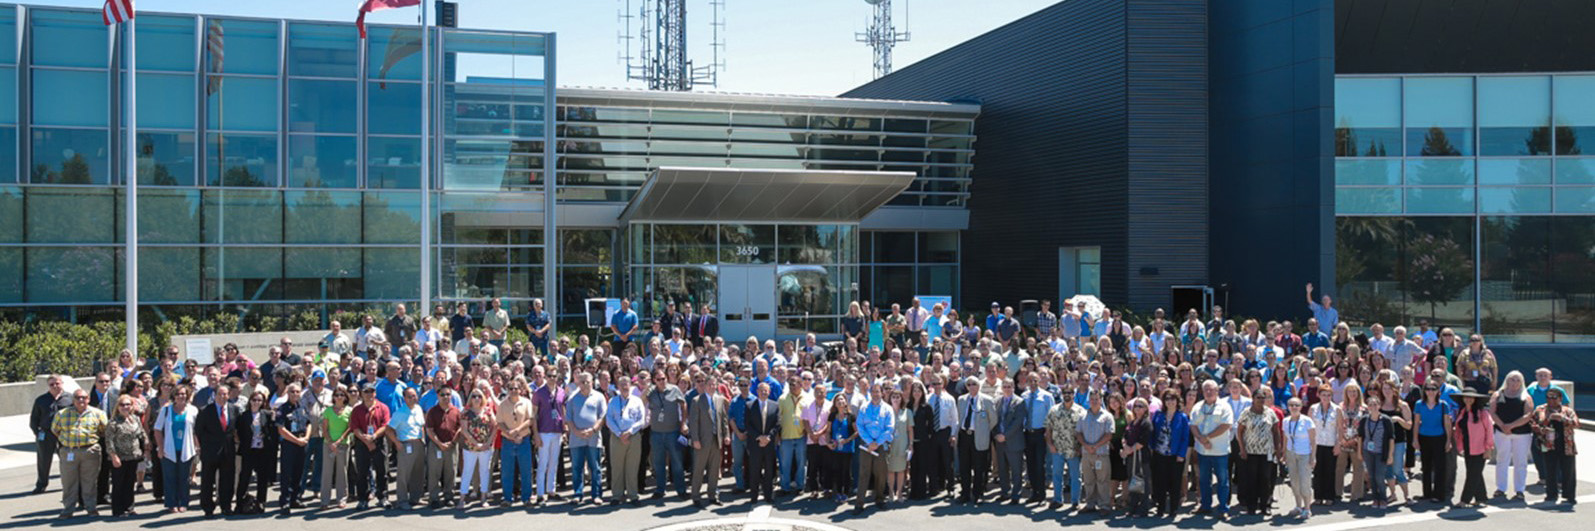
(935,410)
(703,324)
(710,403)
(223,410)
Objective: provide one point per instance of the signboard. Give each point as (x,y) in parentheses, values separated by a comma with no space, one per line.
(199,349)
(601,311)
(930,301)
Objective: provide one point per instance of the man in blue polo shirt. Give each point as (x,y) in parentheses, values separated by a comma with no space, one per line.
(995,317)
(623,324)
(1325,313)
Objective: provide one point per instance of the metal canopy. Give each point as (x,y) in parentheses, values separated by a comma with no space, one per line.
(729,194)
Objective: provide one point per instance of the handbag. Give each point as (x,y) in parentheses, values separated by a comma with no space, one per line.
(1137,483)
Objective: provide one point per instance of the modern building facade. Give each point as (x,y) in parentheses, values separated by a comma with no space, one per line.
(279,171)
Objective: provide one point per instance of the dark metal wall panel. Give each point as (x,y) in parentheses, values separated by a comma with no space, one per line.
(1168,148)
(1471,36)
(1052,154)
(1272,160)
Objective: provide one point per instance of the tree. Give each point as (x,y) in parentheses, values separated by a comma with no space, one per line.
(1437,270)
(1435,144)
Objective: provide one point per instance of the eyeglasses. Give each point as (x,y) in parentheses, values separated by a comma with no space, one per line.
(1431,389)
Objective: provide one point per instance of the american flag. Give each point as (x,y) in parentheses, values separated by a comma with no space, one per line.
(213,44)
(117,11)
(367,6)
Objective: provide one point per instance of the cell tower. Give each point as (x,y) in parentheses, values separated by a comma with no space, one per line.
(653,44)
(882,36)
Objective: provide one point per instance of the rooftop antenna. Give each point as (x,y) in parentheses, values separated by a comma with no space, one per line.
(654,44)
(882,36)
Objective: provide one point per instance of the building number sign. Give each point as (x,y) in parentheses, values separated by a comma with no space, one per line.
(747,250)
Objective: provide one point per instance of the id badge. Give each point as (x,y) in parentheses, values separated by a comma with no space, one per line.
(1097,465)
(409,449)
(440,454)
(69,456)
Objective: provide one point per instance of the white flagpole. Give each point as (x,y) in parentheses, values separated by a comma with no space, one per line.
(426,166)
(130,108)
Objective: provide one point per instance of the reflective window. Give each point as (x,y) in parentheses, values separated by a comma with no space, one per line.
(243,104)
(242,216)
(11,267)
(72,215)
(694,284)
(810,289)
(243,273)
(1449,200)
(393,162)
(168,216)
(322,217)
(938,247)
(747,244)
(1515,273)
(1575,199)
(8,36)
(166,159)
(1515,171)
(317,106)
(68,38)
(1430,172)
(241,160)
(323,50)
(1362,200)
(1515,115)
(1575,171)
(169,273)
(242,46)
(684,244)
(393,52)
(73,97)
(392,217)
(815,244)
(393,108)
(1439,116)
(8,95)
(1575,114)
(72,274)
(165,43)
(69,156)
(943,279)
(586,246)
(8,154)
(1383,172)
(322,274)
(11,210)
(1515,200)
(322,162)
(577,284)
(165,101)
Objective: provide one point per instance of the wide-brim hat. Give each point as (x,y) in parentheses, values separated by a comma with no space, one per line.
(1469,393)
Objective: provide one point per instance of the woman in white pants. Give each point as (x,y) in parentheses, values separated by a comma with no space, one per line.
(478,431)
(1511,408)
(1300,432)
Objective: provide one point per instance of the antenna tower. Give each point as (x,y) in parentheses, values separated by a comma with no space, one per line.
(882,36)
(653,44)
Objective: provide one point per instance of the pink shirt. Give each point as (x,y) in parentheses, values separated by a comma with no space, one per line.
(814,414)
(1480,437)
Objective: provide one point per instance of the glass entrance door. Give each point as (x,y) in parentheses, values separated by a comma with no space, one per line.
(746,302)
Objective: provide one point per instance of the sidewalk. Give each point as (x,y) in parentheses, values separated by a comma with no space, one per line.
(16,442)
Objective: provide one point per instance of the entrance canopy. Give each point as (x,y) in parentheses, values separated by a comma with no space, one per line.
(791,196)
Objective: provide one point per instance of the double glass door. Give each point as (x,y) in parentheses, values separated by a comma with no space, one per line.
(746,302)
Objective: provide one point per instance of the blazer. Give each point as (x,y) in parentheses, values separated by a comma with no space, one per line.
(700,427)
(984,419)
(709,323)
(1011,424)
(246,430)
(216,442)
(762,421)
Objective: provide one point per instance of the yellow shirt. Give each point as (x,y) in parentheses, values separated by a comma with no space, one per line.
(792,406)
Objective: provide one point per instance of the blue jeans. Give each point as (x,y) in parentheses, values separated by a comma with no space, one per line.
(174,478)
(313,458)
(663,450)
(739,453)
(1398,471)
(516,458)
(586,457)
(1207,468)
(1056,463)
(793,456)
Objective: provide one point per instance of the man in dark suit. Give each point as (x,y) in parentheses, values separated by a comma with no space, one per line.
(710,432)
(703,327)
(1010,436)
(764,435)
(217,429)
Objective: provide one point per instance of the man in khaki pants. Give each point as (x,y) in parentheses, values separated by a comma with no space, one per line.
(625,416)
(1096,436)
(442,429)
(79,429)
(408,423)
(710,432)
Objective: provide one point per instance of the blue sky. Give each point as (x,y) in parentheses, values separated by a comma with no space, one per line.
(799,47)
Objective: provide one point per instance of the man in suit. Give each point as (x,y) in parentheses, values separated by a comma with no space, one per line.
(976,419)
(710,432)
(1011,415)
(703,328)
(764,434)
(216,429)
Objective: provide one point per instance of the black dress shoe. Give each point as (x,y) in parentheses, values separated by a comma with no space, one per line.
(714,501)
(858,511)
(699,504)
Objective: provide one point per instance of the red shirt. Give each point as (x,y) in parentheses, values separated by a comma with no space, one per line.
(369,419)
(444,422)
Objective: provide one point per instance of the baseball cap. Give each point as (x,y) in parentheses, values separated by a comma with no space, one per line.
(995,304)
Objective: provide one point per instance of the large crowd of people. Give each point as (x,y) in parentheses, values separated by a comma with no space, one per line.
(1081,411)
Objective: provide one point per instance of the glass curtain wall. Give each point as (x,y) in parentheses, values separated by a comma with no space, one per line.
(816,267)
(899,265)
(1467,200)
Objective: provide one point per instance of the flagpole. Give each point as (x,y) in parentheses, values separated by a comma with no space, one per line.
(130,107)
(426,165)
